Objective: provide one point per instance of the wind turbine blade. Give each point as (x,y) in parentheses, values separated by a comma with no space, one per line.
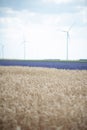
(61,30)
(71,26)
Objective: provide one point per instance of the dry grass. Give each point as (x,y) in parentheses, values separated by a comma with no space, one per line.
(42,99)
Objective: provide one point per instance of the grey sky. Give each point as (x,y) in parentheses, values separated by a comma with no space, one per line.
(39,20)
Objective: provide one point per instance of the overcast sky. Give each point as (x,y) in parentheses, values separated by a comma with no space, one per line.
(40,23)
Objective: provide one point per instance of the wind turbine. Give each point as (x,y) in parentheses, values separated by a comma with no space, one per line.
(24,42)
(67,38)
(2,50)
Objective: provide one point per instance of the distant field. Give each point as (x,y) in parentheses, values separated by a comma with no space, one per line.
(80,65)
(34,98)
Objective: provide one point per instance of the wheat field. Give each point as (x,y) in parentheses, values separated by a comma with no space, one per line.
(42,99)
